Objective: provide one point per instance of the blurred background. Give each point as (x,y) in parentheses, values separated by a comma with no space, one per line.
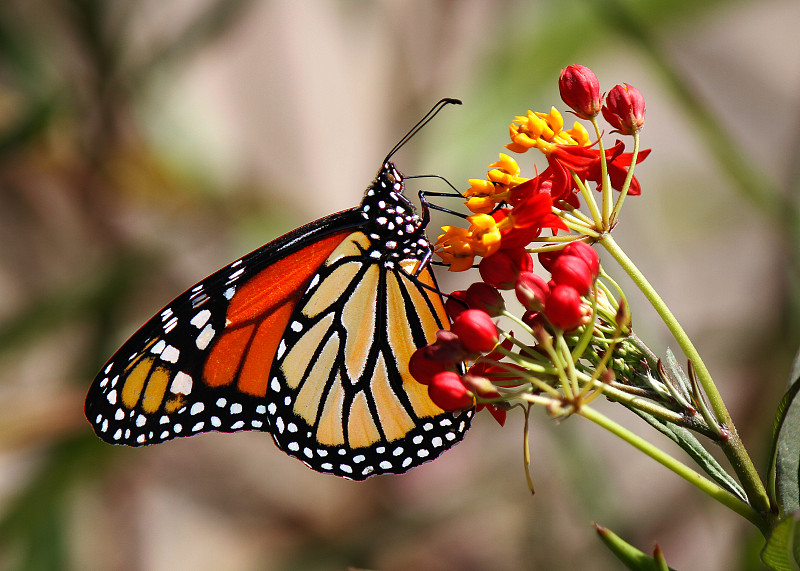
(145,144)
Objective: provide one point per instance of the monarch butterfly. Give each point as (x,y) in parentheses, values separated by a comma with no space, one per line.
(307,338)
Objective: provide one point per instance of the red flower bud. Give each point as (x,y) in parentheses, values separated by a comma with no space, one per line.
(496,355)
(476,330)
(498,374)
(486,298)
(624,109)
(564,307)
(573,271)
(447,349)
(423,368)
(480,386)
(547,259)
(448,392)
(533,319)
(531,291)
(580,90)
(501,269)
(586,253)
(455,303)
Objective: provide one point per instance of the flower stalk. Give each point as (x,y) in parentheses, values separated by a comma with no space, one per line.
(696,479)
(732,447)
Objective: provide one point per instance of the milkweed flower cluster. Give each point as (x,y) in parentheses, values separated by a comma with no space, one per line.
(570,318)
(564,336)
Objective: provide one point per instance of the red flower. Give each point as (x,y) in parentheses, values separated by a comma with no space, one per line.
(499,414)
(562,162)
(496,355)
(557,181)
(618,165)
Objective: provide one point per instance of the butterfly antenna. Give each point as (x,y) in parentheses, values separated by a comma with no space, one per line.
(421,123)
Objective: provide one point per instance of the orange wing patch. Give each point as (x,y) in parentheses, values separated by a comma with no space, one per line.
(258,315)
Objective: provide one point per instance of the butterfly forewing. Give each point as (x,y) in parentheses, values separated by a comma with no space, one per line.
(184,371)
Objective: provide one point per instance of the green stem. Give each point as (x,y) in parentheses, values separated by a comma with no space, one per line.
(628,179)
(589,200)
(732,446)
(606,184)
(698,480)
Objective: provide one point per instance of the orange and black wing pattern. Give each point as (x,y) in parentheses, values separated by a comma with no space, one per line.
(307,338)
(192,367)
(341,398)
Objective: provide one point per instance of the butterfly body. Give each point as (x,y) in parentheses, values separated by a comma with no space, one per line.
(307,338)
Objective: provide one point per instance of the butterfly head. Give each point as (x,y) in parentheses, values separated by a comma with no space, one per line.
(390,218)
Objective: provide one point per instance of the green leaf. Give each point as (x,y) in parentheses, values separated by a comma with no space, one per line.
(634,559)
(784,471)
(678,375)
(782,551)
(692,446)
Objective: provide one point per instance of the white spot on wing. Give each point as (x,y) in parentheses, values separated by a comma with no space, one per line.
(170,325)
(170,354)
(182,384)
(200,318)
(205,337)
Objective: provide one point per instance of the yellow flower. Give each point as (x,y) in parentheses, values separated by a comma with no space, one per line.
(543,131)
(480,204)
(458,246)
(506,172)
(484,233)
(483,195)
(454,249)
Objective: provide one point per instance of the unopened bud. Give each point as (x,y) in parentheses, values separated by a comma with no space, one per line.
(624,109)
(580,90)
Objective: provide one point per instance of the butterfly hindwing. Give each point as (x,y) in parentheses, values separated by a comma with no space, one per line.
(340,397)
(190,368)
